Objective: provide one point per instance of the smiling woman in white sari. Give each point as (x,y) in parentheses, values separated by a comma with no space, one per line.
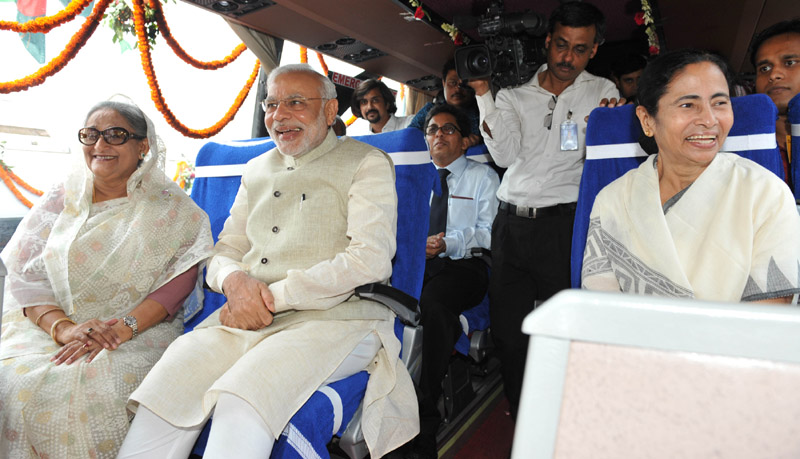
(98,272)
(692,221)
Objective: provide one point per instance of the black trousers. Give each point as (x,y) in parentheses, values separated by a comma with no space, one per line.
(530,262)
(456,286)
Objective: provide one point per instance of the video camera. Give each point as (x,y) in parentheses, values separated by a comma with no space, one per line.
(512,50)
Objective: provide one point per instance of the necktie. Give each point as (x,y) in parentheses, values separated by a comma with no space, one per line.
(438,222)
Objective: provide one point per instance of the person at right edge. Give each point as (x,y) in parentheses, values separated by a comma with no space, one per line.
(536,130)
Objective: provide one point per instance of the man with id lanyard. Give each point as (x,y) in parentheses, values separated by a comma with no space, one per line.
(537,130)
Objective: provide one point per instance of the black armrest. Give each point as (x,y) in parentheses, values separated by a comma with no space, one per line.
(403,305)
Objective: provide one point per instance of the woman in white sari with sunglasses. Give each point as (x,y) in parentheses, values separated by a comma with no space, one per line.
(692,221)
(98,272)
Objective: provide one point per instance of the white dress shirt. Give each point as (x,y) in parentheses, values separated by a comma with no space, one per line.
(471,207)
(539,174)
(395,123)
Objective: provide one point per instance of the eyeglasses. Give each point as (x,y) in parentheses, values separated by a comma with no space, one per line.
(295,104)
(112,136)
(548,119)
(447,129)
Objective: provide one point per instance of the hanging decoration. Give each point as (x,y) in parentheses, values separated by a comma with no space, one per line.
(322,63)
(419,12)
(54,66)
(163,27)
(645,18)
(455,34)
(145,38)
(184,175)
(119,18)
(158,97)
(44,24)
(8,177)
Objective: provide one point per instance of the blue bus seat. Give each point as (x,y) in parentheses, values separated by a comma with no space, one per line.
(474,341)
(332,408)
(794,130)
(612,149)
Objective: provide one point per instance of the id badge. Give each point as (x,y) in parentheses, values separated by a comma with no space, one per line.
(569,134)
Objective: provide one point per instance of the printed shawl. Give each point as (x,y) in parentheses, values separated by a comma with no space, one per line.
(732,236)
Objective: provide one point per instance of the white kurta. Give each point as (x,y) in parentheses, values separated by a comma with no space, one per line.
(313,228)
(733,235)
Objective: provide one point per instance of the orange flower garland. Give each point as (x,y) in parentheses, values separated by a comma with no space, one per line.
(167,34)
(303,55)
(6,175)
(45,24)
(155,90)
(322,63)
(54,66)
(352,120)
(21,182)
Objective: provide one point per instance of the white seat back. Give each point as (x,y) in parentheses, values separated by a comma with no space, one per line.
(611,375)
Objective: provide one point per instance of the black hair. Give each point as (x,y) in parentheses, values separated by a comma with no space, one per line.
(579,14)
(783,27)
(339,127)
(659,74)
(629,64)
(366,86)
(462,120)
(132,114)
(449,65)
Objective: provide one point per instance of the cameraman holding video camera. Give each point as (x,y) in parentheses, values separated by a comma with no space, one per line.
(536,130)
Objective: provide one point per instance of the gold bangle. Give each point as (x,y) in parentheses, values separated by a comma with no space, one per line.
(42,314)
(55,324)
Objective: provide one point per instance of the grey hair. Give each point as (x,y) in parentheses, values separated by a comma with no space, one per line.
(328,90)
(132,114)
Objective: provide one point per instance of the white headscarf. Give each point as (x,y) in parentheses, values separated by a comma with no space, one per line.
(67,246)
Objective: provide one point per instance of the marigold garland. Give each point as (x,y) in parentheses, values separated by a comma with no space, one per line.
(155,90)
(21,182)
(352,120)
(6,176)
(179,51)
(303,55)
(45,24)
(322,63)
(57,63)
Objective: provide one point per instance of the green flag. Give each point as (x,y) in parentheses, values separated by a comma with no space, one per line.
(33,42)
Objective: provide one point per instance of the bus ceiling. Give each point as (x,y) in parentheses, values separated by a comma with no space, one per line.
(384,38)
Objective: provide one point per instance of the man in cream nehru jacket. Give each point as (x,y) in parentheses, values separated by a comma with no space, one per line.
(313,219)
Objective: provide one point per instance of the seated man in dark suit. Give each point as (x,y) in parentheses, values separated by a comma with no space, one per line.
(461,219)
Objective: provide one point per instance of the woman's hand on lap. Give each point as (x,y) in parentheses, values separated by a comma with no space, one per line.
(90,332)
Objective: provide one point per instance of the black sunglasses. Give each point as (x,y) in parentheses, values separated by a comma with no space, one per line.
(548,119)
(112,136)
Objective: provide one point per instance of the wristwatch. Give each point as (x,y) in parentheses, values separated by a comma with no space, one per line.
(131,322)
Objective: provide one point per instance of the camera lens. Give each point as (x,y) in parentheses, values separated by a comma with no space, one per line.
(479,63)
(473,62)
